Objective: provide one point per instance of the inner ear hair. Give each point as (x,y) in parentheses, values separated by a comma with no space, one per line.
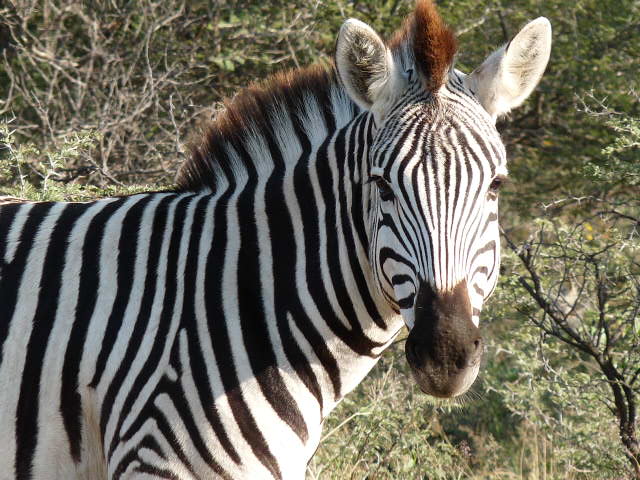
(362,61)
(509,75)
(366,62)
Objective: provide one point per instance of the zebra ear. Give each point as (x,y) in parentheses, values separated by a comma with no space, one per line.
(509,75)
(363,62)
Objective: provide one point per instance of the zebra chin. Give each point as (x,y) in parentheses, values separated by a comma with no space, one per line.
(444,347)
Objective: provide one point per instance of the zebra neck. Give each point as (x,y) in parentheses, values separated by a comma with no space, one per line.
(361,322)
(296,213)
(290,196)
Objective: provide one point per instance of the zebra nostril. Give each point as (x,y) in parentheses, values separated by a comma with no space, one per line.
(476,352)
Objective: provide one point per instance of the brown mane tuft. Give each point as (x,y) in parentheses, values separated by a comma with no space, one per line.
(251,111)
(434,43)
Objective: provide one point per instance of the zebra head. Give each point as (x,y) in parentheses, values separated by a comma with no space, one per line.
(435,165)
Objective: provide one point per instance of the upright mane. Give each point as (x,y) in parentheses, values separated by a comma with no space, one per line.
(429,42)
(252,112)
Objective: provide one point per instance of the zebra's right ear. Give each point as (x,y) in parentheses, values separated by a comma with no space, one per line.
(363,61)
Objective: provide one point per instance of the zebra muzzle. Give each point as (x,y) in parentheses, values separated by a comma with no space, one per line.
(444,346)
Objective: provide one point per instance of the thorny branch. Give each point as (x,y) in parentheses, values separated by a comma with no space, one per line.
(136,72)
(558,322)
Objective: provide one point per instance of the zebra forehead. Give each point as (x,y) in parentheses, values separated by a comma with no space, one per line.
(461,114)
(441,150)
(445,121)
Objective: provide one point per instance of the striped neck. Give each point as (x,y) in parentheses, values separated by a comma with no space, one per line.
(297,170)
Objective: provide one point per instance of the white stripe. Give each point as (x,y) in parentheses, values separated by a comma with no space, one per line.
(13,238)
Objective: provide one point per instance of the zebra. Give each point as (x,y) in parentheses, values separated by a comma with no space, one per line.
(206,331)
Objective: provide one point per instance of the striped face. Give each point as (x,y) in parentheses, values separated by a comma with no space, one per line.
(437,164)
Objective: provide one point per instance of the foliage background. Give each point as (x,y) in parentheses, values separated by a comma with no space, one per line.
(98,98)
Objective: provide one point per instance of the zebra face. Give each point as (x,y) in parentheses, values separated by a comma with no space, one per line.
(435,165)
(436,249)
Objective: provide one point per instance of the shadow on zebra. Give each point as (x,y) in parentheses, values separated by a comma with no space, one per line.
(206,331)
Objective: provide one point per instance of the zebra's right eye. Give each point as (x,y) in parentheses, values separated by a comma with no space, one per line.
(386,193)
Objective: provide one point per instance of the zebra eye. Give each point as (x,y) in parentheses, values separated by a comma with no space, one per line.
(496,184)
(386,193)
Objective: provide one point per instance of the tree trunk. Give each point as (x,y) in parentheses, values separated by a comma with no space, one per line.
(625,402)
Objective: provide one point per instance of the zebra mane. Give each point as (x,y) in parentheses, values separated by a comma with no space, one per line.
(298,93)
(426,41)
(302,94)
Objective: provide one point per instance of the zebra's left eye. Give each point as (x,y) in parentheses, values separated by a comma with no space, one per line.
(386,193)
(496,183)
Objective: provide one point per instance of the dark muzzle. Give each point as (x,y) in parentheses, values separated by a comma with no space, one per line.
(444,346)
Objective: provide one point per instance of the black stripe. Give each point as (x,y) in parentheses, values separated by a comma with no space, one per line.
(150,443)
(197,365)
(459,223)
(411,235)
(128,459)
(9,288)
(161,334)
(221,342)
(127,247)
(156,472)
(166,430)
(255,330)
(363,125)
(348,211)
(181,405)
(353,337)
(285,292)
(12,272)
(8,215)
(309,216)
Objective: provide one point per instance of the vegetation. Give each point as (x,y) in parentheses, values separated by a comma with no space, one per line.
(99,99)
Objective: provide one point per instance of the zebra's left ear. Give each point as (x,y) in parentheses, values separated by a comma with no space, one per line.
(509,75)
(364,63)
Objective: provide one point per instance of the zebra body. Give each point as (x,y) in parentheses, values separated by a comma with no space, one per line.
(206,332)
(125,299)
